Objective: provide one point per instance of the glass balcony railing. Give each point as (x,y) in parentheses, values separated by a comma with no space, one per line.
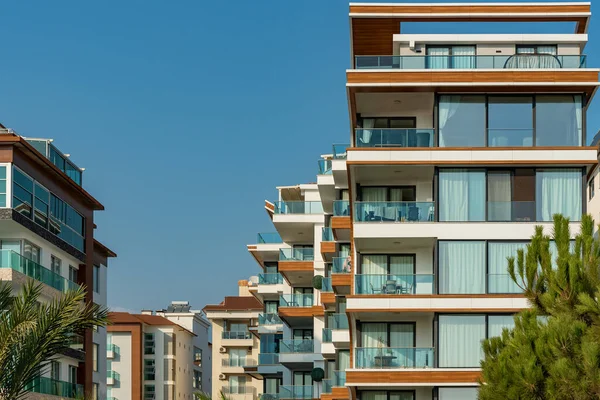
(327,385)
(297,254)
(394,211)
(269,396)
(509,61)
(327,335)
(15,261)
(231,335)
(297,346)
(238,362)
(295,392)
(114,348)
(325,167)
(511,211)
(394,357)
(269,237)
(341,208)
(269,319)
(296,300)
(337,321)
(57,158)
(339,378)
(339,151)
(54,387)
(502,284)
(326,285)
(270,279)
(341,265)
(268,359)
(113,374)
(394,137)
(298,207)
(327,235)
(393,284)
(245,390)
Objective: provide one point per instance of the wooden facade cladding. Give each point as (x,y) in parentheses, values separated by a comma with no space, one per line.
(296,266)
(430,376)
(469,10)
(373,37)
(341,222)
(327,298)
(327,247)
(300,312)
(337,393)
(341,279)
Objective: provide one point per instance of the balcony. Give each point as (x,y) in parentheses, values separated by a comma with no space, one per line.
(268,238)
(297,254)
(54,387)
(57,158)
(326,286)
(238,362)
(236,335)
(15,261)
(270,279)
(337,321)
(394,284)
(394,357)
(297,353)
(298,207)
(112,350)
(341,208)
(515,61)
(269,319)
(394,211)
(239,392)
(341,265)
(296,300)
(325,167)
(394,137)
(112,377)
(268,359)
(327,235)
(295,392)
(326,338)
(339,151)
(296,346)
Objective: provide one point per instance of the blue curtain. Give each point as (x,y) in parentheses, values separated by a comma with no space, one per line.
(462,195)
(558,191)
(462,267)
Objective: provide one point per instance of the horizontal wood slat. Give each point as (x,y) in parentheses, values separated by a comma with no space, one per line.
(430,376)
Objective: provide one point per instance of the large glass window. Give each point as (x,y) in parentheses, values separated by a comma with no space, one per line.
(22,193)
(559,120)
(461,195)
(496,323)
(462,267)
(458,393)
(558,191)
(444,57)
(2,186)
(499,281)
(461,121)
(460,339)
(510,121)
(383,395)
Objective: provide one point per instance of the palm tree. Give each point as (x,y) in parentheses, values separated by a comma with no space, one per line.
(33,332)
(206,396)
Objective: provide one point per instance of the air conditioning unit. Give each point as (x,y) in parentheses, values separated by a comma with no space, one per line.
(222,377)
(222,350)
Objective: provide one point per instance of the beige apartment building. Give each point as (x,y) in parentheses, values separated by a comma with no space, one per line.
(235,345)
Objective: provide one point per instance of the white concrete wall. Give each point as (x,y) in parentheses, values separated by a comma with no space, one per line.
(122,364)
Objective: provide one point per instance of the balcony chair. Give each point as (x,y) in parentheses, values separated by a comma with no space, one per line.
(413,213)
(376,291)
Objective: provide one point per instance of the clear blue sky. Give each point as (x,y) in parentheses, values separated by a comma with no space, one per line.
(186,115)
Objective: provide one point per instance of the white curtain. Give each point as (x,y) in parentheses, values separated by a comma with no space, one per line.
(462,195)
(402,335)
(374,265)
(458,393)
(374,335)
(373,201)
(460,340)
(558,191)
(496,323)
(463,57)
(343,360)
(447,108)
(578,120)
(462,267)
(438,57)
(367,133)
(498,279)
(499,195)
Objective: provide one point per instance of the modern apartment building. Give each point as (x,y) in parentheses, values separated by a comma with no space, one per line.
(386,275)
(235,345)
(47,234)
(150,357)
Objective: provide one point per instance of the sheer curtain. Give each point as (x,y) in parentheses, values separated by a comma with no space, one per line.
(462,267)
(401,396)
(460,340)
(558,191)
(438,57)
(496,323)
(498,280)
(402,269)
(374,335)
(343,360)
(374,265)
(499,196)
(458,393)
(448,106)
(403,340)
(367,133)
(463,57)
(577,102)
(462,195)
(373,200)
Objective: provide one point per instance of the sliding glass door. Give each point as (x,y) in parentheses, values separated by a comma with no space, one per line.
(559,191)
(461,195)
(460,339)
(461,267)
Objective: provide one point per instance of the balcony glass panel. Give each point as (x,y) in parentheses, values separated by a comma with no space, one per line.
(325,167)
(339,378)
(268,359)
(326,285)
(270,279)
(15,261)
(296,346)
(54,387)
(559,120)
(295,392)
(238,362)
(230,335)
(297,254)
(111,347)
(298,207)
(339,151)
(327,385)
(394,137)
(442,59)
(394,211)
(326,335)
(341,265)
(341,208)
(271,237)
(113,374)
(296,300)
(394,284)
(393,357)
(337,321)
(327,235)
(269,319)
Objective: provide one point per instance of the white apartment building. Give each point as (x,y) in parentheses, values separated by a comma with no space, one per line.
(386,275)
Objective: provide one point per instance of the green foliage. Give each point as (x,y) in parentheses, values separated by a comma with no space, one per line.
(33,332)
(206,396)
(554,350)
(317,282)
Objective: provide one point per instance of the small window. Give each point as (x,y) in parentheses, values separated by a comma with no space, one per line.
(149,370)
(96,278)
(95,357)
(149,343)
(591,188)
(73,273)
(537,49)
(55,265)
